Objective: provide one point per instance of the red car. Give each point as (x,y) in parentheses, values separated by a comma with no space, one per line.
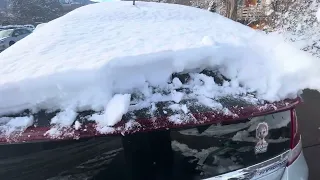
(261,141)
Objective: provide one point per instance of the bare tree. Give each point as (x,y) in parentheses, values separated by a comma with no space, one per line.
(232,9)
(163,1)
(227,8)
(30,11)
(203,4)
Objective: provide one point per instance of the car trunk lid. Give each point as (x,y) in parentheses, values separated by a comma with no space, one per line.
(255,144)
(242,140)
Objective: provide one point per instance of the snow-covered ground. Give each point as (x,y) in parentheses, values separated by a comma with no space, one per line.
(99,56)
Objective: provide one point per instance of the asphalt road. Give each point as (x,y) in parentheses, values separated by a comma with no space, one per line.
(309,124)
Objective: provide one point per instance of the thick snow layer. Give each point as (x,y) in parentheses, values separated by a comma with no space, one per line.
(77,125)
(79,61)
(115,109)
(65,118)
(9,125)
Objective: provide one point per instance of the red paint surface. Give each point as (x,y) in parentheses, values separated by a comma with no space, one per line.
(36,134)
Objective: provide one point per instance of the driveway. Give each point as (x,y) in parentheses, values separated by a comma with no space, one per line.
(309,122)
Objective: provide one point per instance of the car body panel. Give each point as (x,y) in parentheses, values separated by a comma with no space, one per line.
(80,159)
(298,170)
(17,35)
(28,26)
(272,169)
(212,145)
(162,154)
(38,133)
(77,159)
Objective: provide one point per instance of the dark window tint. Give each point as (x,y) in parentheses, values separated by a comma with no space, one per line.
(204,151)
(17,32)
(190,154)
(25,31)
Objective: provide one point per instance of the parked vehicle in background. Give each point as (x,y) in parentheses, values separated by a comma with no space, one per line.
(10,36)
(28,26)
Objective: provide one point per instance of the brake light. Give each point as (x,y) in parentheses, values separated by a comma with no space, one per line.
(295,144)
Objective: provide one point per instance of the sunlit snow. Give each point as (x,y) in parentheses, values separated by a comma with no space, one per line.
(81,60)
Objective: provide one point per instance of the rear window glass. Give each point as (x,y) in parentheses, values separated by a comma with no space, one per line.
(223,148)
(191,153)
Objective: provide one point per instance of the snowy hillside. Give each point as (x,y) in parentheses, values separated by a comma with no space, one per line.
(126,57)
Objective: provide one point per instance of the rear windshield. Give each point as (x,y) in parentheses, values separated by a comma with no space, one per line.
(190,154)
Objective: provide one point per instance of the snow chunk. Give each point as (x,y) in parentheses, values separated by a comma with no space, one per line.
(54,132)
(21,121)
(177,96)
(153,107)
(77,125)
(176,83)
(9,125)
(4,120)
(115,109)
(96,117)
(105,129)
(178,107)
(185,109)
(180,118)
(64,118)
(176,118)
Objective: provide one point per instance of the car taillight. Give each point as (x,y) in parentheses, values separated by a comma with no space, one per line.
(295,144)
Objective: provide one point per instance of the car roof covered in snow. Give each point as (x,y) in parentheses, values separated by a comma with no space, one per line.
(113,60)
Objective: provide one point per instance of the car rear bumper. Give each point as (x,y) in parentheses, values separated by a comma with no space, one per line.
(43,160)
(298,170)
(278,170)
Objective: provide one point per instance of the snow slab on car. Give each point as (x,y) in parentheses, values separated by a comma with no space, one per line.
(108,62)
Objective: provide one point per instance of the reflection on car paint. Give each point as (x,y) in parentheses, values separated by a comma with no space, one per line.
(89,168)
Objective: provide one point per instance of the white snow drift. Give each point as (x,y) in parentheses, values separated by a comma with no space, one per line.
(99,54)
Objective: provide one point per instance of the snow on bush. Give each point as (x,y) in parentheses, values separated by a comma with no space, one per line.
(300,25)
(318,15)
(115,57)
